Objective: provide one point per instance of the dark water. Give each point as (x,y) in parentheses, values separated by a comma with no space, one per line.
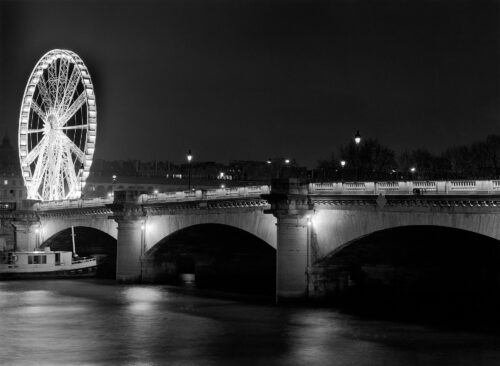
(100,323)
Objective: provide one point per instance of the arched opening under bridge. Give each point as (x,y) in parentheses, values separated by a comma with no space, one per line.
(426,272)
(88,242)
(213,256)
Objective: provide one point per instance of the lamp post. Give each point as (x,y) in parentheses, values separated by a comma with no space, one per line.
(272,168)
(189,158)
(287,165)
(81,181)
(113,182)
(143,246)
(342,165)
(37,238)
(357,141)
(81,185)
(308,254)
(143,237)
(357,138)
(412,171)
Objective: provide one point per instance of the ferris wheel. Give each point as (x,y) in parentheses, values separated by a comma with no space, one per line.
(57,127)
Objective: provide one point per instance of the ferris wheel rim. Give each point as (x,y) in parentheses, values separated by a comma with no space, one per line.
(29,108)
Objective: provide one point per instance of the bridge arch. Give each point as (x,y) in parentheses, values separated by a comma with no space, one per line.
(88,242)
(429,270)
(254,222)
(333,229)
(213,256)
(50,226)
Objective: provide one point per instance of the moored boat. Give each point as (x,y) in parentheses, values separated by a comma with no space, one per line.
(45,264)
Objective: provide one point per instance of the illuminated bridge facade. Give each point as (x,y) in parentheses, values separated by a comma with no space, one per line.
(304,223)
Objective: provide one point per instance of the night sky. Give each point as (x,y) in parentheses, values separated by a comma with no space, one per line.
(259,79)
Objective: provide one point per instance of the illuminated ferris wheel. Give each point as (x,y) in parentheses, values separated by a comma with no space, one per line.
(57,127)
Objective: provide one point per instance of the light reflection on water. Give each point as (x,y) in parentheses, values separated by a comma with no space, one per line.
(101,323)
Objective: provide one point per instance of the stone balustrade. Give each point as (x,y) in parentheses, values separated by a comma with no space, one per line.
(166,197)
(68,204)
(208,194)
(408,187)
(331,188)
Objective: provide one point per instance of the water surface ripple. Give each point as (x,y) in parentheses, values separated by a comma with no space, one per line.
(69,322)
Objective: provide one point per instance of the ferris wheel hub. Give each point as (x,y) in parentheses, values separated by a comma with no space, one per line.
(52,121)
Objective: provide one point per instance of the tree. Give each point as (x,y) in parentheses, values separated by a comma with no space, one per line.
(427,166)
(369,160)
(327,169)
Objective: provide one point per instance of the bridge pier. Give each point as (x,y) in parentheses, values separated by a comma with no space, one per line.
(292,258)
(130,247)
(27,235)
(291,206)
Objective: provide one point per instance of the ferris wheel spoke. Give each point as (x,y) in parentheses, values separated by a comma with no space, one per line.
(40,170)
(52,73)
(49,183)
(39,111)
(70,171)
(57,182)
(77,127)
(36,131)
(77,104)
(80,155)
(42,87)
(69,91)
(36,151)
(61,81)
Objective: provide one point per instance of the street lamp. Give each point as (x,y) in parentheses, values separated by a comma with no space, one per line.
(113,182)
(189,158)
(412,171)
(81,181)
(357,138)
(143,245)
(308,254)
(280,168)
(342,165)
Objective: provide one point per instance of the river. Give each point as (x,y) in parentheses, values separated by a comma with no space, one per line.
(97,322)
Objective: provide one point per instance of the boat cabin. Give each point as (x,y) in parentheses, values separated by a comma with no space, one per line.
(38,258)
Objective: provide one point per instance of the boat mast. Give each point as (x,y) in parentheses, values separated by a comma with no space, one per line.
(73,240)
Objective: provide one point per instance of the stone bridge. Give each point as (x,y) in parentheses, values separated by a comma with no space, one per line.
(305,223)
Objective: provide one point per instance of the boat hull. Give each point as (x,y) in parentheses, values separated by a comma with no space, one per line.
(65,273)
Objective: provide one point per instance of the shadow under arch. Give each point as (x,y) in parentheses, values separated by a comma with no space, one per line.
(88,242)
(213,256)
(418,271)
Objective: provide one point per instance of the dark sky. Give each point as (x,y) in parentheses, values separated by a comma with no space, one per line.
(259,79)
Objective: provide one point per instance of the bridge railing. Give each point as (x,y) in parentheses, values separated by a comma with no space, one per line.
(196,195)
(76,203)
(408,187)
(205,194)
(347,188)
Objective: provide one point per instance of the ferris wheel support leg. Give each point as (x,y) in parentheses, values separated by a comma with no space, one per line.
(28,236)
